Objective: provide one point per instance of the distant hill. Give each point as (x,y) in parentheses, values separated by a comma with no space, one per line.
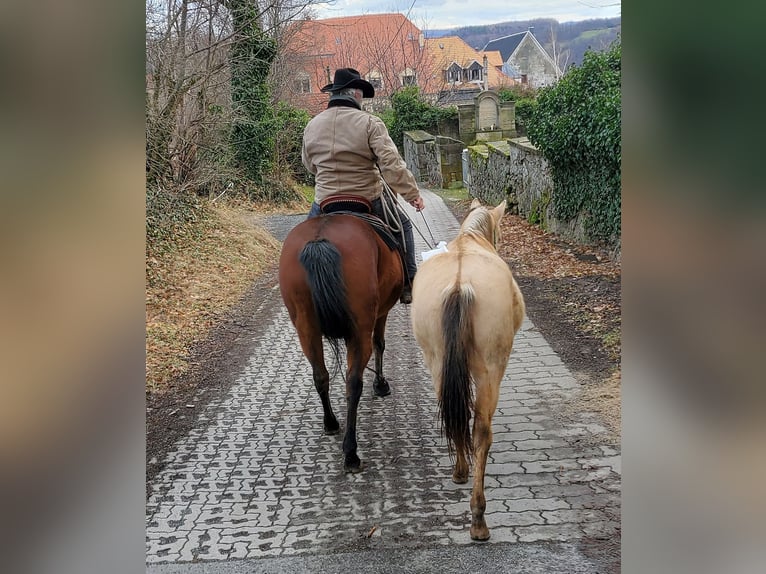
(573,38)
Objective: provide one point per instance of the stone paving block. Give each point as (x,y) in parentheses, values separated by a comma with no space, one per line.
(512,518)
(499,469)
(535,504)
(550,465)
(538,444)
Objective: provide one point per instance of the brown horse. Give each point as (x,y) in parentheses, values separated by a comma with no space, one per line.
(466,310)
(339,280)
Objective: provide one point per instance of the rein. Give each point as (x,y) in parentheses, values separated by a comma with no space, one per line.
(388,199)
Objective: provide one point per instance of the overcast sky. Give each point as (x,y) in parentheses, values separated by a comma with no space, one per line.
(438,14)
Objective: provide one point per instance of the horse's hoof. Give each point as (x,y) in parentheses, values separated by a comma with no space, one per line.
(352,464)
(479,533)
(331,427)
(381,388)
(459,479)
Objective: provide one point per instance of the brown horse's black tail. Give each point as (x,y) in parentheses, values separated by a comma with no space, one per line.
(456,401)
(322,262)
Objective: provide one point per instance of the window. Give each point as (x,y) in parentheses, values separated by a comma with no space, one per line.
(523,78)
(454,74)
(407,77)
(375,78)
(302,84)
(475,74)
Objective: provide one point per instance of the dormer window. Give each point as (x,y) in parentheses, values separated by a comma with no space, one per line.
(475,72)
(454,73)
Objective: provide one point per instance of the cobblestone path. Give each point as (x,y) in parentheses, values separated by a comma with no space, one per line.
(257,479)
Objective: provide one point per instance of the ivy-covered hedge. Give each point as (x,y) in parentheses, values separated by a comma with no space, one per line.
(409,111)
(576,125)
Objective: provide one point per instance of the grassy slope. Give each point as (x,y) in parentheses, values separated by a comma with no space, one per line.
(199,283)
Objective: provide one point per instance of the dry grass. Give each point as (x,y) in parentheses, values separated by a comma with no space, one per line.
(535,253)
(604,398)
(199,284)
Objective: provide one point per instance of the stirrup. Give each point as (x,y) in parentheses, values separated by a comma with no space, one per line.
(406,297)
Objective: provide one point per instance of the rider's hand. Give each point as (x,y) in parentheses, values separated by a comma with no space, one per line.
(418,203)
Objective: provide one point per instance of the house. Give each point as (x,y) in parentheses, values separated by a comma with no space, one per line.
(386,49)
(390,52)
(525,60)
(459,72)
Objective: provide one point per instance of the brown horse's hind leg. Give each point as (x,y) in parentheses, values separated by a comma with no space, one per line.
(311,342)
(322,385)
(358,354)
(482,432)
(380,385)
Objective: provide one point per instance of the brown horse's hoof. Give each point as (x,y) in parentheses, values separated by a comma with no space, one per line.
(381,387)
(352,464)
(480,533)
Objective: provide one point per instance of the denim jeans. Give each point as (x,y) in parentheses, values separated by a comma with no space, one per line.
(409,240)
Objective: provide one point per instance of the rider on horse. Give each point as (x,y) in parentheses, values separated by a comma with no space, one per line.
(351,153)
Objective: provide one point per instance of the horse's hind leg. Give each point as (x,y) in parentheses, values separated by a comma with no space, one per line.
(311,342)
(322,385)
(359,352)
(460,472)
(380,385)
(487,391)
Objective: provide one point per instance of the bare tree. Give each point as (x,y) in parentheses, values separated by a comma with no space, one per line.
(560,57)
(186,85)
(188,91)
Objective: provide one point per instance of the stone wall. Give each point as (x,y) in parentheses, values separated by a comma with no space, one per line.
(516,170)
(450,156)
(507,169)
(423,158)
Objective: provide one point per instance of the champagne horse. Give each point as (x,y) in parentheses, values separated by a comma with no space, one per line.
(466,310)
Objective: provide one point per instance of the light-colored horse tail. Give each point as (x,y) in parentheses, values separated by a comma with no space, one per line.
(456,400)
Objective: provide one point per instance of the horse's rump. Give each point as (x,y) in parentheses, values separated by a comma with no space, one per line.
(337,265)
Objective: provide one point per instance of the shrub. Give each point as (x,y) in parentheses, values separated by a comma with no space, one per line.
(409,111)
(289,123)
(576,125)
(525,107)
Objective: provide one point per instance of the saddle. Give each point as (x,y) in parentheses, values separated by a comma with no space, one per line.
(362,208)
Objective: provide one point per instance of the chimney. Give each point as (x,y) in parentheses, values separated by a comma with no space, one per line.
(327,69)
(486,73)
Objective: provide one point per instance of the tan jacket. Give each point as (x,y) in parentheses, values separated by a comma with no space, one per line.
(348,150)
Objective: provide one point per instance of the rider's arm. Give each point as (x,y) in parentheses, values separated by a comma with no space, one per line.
(390,163)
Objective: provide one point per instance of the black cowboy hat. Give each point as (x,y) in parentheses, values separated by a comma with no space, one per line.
(349,78)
